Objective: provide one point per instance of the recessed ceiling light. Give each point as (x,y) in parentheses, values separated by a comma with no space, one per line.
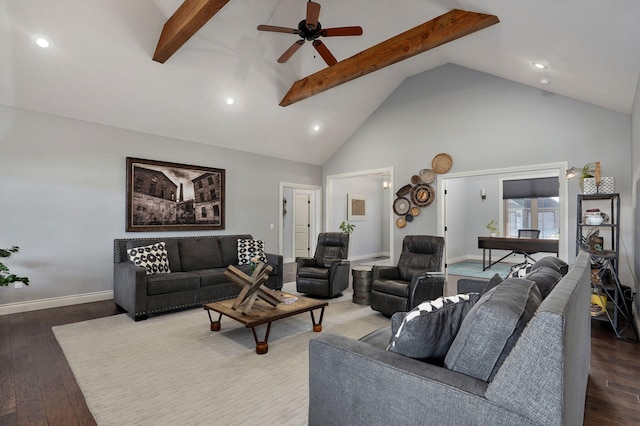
(544,81)
(42,41)
(316,128)
(230,101)
(541,65)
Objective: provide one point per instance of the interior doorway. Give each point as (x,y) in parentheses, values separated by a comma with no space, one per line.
(287,245)
(460,222)
(301,223)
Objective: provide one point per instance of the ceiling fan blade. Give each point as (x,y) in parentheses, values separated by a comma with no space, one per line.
(278,29)
(324,52)
(290,51)
(313,12)
(341,31)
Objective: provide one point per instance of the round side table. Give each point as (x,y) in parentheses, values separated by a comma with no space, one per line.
(362,280)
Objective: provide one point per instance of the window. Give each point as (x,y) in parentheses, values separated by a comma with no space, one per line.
(204,211)
(531,204)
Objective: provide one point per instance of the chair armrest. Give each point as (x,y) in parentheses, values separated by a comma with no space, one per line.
(425,286)
(305,261)
(344,387)
(471,285)
(130,288)
(277,261)
(385,273)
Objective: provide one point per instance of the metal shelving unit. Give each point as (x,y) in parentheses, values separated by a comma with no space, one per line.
(605,260)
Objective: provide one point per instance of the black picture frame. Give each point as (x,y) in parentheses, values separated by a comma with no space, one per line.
(164,196)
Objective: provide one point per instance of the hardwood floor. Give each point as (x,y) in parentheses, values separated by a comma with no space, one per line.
(37,386)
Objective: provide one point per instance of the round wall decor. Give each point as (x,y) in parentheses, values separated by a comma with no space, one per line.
(427,175)
(441,163)
(415,211)
(404,190)
(401,206)
(401,222)
(422,195)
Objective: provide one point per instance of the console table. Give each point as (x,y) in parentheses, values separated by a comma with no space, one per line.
(525,246)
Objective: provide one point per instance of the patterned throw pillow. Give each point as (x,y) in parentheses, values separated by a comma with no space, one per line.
(152,257)
(520,271)
(248,249)
(427,331)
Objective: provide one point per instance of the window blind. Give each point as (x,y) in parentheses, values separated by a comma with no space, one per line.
(530,188)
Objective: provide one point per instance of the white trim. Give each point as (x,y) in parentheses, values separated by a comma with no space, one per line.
(55,302)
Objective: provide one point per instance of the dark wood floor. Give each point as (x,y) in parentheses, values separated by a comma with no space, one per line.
(37,386)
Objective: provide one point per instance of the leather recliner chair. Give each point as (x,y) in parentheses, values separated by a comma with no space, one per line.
(326,274)
(416,278)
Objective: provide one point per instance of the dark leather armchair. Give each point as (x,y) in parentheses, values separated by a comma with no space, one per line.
(326,274)
(416,278)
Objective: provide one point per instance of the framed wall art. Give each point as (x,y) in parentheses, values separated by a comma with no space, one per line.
(164,196)
(356,207)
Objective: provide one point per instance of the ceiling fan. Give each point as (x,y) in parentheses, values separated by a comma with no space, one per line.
(309,29)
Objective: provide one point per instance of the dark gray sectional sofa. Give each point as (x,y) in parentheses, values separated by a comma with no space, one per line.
(542,379)
(197,265)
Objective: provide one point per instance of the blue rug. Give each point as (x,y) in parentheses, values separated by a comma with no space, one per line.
(470,268)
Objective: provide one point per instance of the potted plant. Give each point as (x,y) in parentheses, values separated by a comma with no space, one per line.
(493,228)
(347,227)
(587,171)
(6,277)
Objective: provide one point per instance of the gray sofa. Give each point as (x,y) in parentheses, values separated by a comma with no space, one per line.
(197,267)
(542,380)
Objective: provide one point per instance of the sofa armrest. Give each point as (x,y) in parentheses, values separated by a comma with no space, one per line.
(305,261)
(352,382)
(130,289)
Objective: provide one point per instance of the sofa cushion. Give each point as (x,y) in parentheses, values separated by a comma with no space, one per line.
(209,277)
(153,258)
(427,331)
(200,253)
(249,249)
(545,278)
(171,245)
(552,262)
(172,283)
(492,327)
(229,247)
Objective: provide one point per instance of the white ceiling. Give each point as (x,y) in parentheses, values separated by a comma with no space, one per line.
(99,68)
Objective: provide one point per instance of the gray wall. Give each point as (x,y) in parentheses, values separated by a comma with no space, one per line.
(485,122)
(62,189)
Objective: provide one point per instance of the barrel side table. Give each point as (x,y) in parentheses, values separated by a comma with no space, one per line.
(362,280)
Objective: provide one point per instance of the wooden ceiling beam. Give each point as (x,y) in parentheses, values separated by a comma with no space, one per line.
(438,31)
(185,22)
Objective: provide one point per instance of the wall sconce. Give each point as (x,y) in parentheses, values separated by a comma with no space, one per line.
(483,194)
(571,173)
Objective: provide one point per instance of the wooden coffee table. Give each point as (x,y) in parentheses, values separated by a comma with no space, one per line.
(264,313)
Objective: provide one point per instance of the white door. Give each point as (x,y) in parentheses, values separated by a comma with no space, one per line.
(302,225)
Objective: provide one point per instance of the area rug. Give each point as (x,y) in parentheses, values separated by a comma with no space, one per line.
(474,269)
(171,369)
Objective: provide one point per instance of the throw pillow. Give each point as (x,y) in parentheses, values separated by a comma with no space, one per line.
(519,271)
(545,278)
(493,282)
(427,331)
(552,262)
(153,258)
(248,249)
(492,327)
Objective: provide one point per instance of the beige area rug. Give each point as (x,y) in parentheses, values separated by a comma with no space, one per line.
(172,370)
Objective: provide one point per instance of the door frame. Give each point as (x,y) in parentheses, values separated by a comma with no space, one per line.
(329,197)
(563,192)
(315,211)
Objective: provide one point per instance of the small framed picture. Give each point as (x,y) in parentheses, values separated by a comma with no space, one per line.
(356,207)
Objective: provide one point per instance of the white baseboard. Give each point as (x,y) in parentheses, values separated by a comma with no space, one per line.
(54,302)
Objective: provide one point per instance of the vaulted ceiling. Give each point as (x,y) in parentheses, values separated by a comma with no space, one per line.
(100,68)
